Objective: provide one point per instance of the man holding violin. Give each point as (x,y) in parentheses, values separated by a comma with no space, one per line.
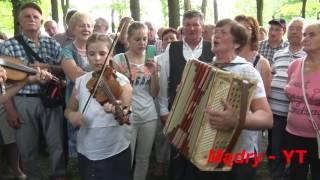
(26,112)
(12,89)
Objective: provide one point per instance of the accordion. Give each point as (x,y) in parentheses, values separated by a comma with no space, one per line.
(187,128)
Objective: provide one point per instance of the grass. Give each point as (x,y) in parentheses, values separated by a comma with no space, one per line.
(73,173)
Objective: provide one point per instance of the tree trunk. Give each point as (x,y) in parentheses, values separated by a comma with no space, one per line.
(215,9)
(174,13)
(16,4)
(204,7)
(112,20)
(135,9)
(187,5)
(54,10)
(260,11)
(303,10)
(65,7)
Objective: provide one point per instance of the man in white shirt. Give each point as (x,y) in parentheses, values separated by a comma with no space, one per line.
(172,63)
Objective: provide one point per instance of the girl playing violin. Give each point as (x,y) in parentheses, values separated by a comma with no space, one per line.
(102,144)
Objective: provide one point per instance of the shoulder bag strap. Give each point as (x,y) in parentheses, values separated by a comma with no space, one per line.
(29,51)
(256,60)
(314,124)
(129,69)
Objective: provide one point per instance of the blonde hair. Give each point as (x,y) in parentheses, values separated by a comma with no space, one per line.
(77,17)
(98,37)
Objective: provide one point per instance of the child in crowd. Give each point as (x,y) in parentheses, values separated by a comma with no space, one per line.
(102,143)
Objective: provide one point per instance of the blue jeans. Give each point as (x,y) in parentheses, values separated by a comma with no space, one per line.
(117,167)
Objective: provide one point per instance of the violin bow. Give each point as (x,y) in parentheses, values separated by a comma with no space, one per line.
(3,88)
(114,42)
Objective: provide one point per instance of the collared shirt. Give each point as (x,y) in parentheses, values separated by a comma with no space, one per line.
(49,50)
(278,100)
(164,64)
(268,52)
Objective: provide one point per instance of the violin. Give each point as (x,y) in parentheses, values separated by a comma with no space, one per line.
(16,70)
(109,90)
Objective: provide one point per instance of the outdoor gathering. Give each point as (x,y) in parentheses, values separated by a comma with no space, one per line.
(159,90)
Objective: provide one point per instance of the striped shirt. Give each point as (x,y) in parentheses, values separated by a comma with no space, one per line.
(49,50)
(268,52)
(277,98)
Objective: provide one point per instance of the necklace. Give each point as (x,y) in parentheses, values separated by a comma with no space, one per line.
(81,51)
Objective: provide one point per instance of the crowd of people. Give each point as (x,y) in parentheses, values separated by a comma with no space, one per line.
(113,138)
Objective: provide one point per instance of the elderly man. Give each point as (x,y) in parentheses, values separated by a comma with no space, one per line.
(26,112)
(278,100)
(152,32)
(101,26)
(51,27)
(172,63)
(267,48)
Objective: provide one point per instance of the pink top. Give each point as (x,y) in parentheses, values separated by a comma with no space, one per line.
(298,122)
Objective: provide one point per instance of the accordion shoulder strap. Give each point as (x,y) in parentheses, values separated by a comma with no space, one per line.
(242,118)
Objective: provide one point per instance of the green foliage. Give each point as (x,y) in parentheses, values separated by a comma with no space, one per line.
(286,9)
(164,8)
(121,6)
(289,11)
(6,23)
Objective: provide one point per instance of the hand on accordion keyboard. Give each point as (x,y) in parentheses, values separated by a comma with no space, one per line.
(223,120)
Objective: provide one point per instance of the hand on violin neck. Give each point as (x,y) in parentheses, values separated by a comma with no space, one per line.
(111,108)
(3,75)
(42,76)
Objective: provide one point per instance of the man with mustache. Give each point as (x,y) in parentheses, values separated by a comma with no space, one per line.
(26,112)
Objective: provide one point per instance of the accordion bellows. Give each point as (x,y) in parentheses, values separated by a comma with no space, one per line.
(187,127)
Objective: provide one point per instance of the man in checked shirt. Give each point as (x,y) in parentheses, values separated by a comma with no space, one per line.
(25,112)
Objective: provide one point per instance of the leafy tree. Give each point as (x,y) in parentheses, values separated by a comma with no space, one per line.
(119,7)
(288,11)
(164,8)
